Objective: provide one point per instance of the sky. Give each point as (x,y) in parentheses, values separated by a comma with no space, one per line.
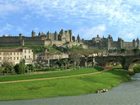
(119,18)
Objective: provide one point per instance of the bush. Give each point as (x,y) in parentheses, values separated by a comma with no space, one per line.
(20,68)
(99,68)
(7,67)
(136,69)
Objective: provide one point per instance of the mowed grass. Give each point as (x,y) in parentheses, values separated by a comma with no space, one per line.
(62,87)
(47,74)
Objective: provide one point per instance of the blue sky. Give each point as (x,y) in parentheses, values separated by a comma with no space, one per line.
(120,18)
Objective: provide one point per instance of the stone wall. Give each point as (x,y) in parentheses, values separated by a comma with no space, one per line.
(109,43)
(42,38)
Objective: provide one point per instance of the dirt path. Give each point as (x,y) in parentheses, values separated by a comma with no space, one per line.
(62,77)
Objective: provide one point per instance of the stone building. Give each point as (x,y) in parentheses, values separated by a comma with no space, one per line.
(109,44)
(45,57)
(15,55)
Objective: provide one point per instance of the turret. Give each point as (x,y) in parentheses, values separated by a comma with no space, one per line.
(61,32)
(73,38)
(20,36)
(70,35)
(33,34)
(98,36)
(110,40)
(22,42)
(138,42)
(48,35)
(109,37)
(55,36)
(39,34)
(78,38)
(134,43)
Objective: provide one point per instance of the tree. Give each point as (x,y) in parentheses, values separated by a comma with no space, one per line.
(136,51)
(7,67)
(29,68)
(75,59)
(16,68)
(20,68)
(123,51)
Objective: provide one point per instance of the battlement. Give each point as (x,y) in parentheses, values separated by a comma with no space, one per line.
(109,43)
(41,38)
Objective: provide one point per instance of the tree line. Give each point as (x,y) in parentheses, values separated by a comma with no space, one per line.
(20,68)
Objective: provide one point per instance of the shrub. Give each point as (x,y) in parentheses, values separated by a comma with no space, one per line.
(99,68)
(136,69)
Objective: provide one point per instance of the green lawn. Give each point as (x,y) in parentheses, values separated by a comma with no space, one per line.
(47,74)
(62,87)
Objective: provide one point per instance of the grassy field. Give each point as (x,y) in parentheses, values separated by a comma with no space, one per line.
(62,87)
(47,74)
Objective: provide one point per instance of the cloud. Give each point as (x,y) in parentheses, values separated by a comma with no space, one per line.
(7,27)
(116,10)
(90,32)
(92,16)
(7,8)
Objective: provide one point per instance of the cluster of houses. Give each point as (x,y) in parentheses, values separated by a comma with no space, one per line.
(15,55)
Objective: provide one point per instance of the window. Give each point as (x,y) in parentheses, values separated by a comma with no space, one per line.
(0,58)
(17,58)
(25,57)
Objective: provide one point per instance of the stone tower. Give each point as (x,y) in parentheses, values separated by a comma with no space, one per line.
(20,36)
(33,34)
(109,43)
(134,43)
(138,43)
(73,38)
(120,43)
(70,35)
(78,38)
(55,36)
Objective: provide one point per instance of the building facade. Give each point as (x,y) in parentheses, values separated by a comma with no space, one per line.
(14,56)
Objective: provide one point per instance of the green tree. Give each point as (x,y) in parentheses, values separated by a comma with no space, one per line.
(29,68)
(123,51)
(136,51)
(7,67)
(22,67)
(16,68)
